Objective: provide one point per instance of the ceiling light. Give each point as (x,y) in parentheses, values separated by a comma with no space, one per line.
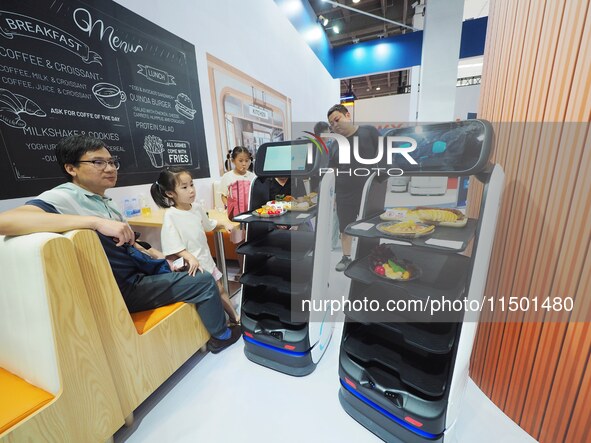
(378,88)
(336,29)
(355,40)
(359,11)
(356,1)
(322,19)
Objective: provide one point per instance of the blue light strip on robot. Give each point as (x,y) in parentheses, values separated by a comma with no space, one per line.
(387,414)
(273,348)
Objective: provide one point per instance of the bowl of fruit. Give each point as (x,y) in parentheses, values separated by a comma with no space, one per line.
(384,263)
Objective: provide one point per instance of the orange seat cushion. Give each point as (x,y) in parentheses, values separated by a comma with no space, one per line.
(145,320)
(19,399)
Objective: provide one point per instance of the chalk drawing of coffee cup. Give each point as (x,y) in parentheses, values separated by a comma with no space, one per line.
(108,95)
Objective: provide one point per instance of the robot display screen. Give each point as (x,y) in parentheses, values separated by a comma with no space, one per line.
(286,158)
(447,147)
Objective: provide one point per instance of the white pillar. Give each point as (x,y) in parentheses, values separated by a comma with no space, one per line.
(418,22)
(439,62)
(413,109)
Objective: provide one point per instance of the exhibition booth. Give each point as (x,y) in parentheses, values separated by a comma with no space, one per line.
(468,250)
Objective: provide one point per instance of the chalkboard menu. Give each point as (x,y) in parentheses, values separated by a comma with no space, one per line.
(94,68)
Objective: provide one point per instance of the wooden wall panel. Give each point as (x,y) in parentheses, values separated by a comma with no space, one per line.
(505,135)
(536,91)
(526,27)
(571,366)
(579,427)
(495,21)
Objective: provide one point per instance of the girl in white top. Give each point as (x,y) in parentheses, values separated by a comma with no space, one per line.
(241,159)
(184,227)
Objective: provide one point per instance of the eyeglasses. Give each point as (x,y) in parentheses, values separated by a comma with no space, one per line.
(102,164)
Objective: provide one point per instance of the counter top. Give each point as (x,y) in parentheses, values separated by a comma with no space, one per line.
(156,218)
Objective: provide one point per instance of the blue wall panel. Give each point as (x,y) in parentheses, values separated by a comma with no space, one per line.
(473,37)
(382,55)
(400,52)
(388,54)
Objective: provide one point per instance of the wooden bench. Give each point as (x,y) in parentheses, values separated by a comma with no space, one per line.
(143,349)
(55,383)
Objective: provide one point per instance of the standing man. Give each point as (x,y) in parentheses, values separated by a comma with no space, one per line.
(349,187)
(81,203)
(324,128)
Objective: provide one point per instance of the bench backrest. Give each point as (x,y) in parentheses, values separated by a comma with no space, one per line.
(27,345)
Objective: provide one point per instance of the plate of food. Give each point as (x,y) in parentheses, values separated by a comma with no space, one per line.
(269,211)
(284,198)
(301,206)
(450,217)
(394,214)
(280,204)
(406,229)
(384,263)
(311,198)
(305,203)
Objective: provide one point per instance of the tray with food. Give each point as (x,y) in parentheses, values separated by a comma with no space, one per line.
(268,211)
(305,203)
(301,206)
(280,204)
(450,217)
(384,263)
(405,229)
(398,214)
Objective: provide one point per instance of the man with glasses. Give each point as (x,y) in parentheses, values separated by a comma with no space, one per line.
(81,203)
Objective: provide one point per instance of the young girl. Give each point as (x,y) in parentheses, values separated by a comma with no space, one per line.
(241,159)
(183,230)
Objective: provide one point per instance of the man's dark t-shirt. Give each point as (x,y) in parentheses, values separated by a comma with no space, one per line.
(349,187)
